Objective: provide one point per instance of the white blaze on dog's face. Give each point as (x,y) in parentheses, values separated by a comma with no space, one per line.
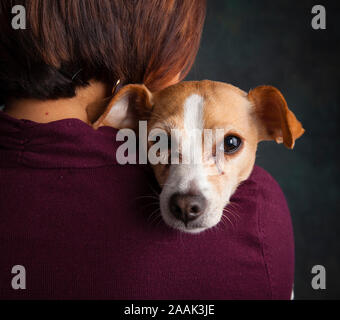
(195,193)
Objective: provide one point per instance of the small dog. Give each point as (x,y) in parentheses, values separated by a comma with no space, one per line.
(194,195)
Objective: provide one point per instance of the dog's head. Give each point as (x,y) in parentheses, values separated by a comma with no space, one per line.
(195,193)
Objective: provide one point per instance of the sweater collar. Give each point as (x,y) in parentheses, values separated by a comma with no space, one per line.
(63,143)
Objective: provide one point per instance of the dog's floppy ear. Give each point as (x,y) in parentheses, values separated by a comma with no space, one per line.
(276,120)
(132,103)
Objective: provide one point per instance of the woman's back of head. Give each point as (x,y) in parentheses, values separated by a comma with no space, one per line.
(66,43)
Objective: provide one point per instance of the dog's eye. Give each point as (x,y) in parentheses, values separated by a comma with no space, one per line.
(231,144)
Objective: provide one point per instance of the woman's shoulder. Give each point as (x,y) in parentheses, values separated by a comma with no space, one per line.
(268,189)
(275,232)
(271,204)
(263,177)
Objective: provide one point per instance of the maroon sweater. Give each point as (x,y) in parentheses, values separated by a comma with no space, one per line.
(80,224)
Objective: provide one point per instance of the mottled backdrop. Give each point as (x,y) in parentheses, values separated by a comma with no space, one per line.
(249,43)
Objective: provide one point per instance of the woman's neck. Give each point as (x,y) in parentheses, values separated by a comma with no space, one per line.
(44,111)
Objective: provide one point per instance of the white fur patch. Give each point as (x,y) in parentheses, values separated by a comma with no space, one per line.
(119,111)
(193,112)
(193,124)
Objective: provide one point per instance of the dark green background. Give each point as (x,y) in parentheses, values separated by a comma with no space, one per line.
(249,43)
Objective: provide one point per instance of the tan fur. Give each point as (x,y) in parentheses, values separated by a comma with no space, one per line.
(279,123)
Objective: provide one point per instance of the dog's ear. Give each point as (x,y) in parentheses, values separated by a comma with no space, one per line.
(132,103)
(277,122)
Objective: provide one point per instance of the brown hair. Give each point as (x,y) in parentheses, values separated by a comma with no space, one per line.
(66,43)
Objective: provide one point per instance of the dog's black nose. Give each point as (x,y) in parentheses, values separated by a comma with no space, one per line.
(187,207)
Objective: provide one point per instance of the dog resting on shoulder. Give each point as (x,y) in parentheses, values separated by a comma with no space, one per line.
(194,194)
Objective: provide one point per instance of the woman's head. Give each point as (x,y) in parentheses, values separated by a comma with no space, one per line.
(66,43)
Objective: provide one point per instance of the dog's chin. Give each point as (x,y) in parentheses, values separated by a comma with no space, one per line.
(193,227)
(180,226)
(193,230)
